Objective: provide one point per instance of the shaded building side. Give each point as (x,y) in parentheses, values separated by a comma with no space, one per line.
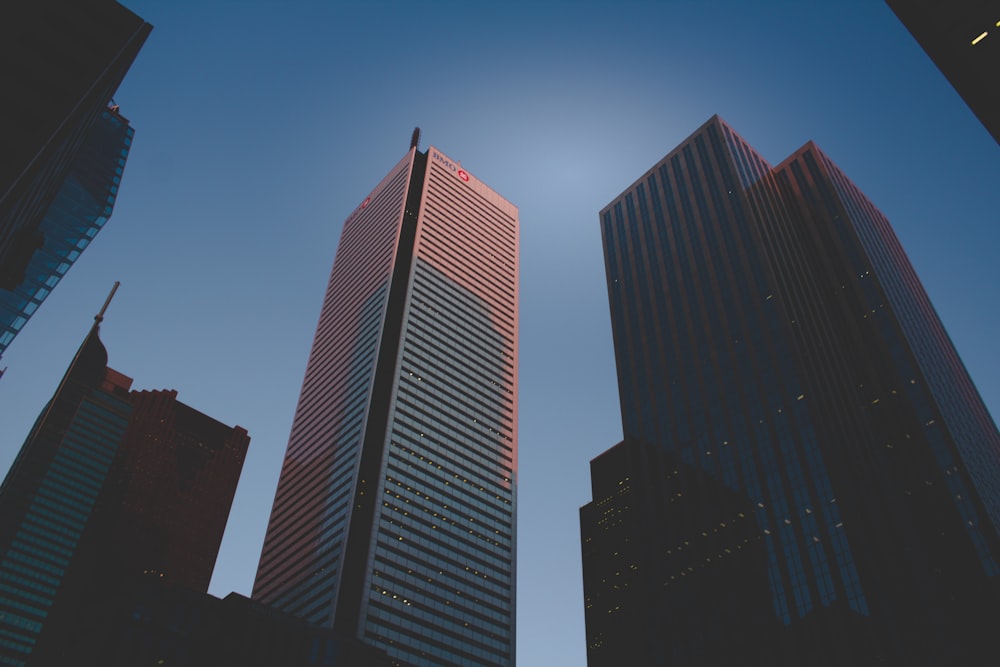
(772,340)
(961,37)
(78,211)
(67,59)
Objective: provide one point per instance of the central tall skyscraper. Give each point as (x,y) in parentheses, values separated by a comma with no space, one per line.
(394,517)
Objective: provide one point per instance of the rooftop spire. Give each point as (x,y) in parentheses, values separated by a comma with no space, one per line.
(99,317)
(415,139)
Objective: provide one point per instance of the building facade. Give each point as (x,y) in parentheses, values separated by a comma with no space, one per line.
(394,516)
(63,61)
(174,488)
(109,485)
(51,492)
(962,37)
(154,623)
(78,211)
(792,403)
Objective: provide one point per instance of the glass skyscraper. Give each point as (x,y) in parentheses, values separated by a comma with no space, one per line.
(77,213)
(63,61)
(808,474)
(51,492)
(394,517)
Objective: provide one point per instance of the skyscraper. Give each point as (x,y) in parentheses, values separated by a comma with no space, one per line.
(394,517)
(962,37)
(109,485)
(797,425)
(61,150)
(77,213)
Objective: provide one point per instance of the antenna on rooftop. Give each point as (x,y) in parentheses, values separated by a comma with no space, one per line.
(415,139)
(99,317)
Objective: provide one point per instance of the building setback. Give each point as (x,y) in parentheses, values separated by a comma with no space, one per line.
(808,474)
(110,485)
(393,520)
(62,154)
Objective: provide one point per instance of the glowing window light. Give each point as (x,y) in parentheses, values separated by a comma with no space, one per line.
(980,38)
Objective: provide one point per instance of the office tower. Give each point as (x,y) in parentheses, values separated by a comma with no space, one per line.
(52,490)
(78,211)
(808,475)
(962,37)
(393,519)
(174,488)
(661,540)
(109,484)
(63,61)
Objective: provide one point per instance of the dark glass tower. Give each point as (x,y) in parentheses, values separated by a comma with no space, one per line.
(797,424)
(78,212)
(51,493)
(962,37)
(394,515)
(61,149)
(109,486)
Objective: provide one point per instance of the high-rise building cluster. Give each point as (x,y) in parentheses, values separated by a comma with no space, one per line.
(807,475)
(112,485)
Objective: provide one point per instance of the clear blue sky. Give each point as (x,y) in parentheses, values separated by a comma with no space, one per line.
(260,125)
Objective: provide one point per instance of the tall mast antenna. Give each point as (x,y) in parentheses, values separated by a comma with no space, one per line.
(99,317)
(415,139)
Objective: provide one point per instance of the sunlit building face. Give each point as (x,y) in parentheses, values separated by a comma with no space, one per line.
(394,518)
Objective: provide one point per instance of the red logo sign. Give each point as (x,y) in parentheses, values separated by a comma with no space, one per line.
(365,202)
(464,176)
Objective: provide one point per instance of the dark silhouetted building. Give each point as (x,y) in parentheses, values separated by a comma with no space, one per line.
(393,520)
(808,475)
(109,484)
(179,471)
(62,150)
(661,538)
(154,623)
(962,37)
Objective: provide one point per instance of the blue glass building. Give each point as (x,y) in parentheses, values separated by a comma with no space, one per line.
(51,492)
(63,61)
(79,210)
(797,425)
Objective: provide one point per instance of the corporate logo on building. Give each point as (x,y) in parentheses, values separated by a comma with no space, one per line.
(357,211)
(450,166)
